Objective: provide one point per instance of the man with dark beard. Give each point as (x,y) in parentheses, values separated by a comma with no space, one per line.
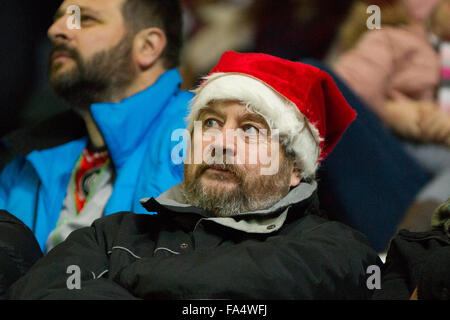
(238,226)
(118,73)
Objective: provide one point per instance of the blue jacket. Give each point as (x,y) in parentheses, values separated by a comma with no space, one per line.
(137,132)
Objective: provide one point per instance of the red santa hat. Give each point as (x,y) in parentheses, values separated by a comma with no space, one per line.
(299,100)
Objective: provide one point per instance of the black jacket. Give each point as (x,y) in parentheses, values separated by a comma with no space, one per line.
(181,253)
(419,260)
(19,250)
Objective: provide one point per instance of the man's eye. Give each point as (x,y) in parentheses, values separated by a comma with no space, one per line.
(249,129)
(87,19)
(211,123)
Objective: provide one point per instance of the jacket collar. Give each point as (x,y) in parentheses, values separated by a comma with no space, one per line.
(261,221)
(125,124)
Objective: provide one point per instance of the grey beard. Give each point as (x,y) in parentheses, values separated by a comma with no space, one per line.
(227,204)
(260,194)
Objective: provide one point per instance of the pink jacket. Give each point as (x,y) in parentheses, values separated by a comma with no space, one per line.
(391,59)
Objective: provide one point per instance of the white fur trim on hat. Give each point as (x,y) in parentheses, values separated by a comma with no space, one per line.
(297,134)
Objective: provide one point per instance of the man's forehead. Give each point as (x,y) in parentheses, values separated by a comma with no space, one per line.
(236,108)
(99,6)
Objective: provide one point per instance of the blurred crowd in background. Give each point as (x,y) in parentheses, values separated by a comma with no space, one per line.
(291,29)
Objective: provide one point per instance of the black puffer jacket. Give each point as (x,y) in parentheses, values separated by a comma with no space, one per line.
(419,260)
(288,252)
(19,250)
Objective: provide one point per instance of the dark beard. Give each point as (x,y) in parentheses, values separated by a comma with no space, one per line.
(258,193)
(103,78)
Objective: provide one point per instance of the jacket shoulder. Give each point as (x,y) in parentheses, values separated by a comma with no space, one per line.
(14,165)
(313,224)
(12,171)
(178,108)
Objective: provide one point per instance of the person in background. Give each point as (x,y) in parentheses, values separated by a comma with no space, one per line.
(417,263)
(19,250)
(396,71)
(292,29)
(235,228)
(118,73)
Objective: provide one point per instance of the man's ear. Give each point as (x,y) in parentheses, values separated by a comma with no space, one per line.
(148,47)
(296,177)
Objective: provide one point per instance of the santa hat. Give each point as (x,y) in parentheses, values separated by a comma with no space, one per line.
(299,100)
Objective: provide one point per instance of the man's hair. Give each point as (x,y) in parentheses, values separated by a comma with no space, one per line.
(163,14)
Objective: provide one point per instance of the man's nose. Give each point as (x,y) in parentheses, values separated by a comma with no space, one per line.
(227,143)
(59,31)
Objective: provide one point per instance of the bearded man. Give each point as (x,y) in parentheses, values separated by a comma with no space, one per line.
(236,227)
(118,73)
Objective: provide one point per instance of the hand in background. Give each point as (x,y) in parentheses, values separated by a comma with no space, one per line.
(403,116)
(434,124)
(421,121)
